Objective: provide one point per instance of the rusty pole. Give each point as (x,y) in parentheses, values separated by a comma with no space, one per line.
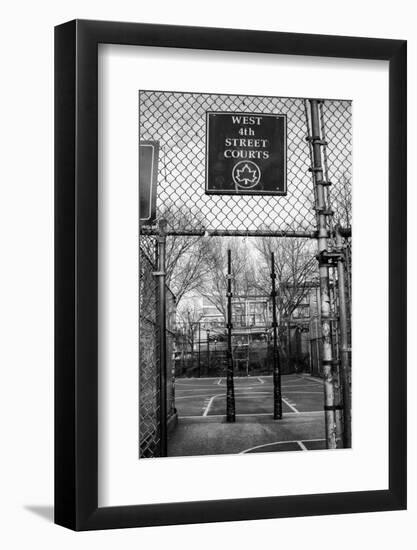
(330,407)
(344,344)
(276,361)
(230,391)
(161,274)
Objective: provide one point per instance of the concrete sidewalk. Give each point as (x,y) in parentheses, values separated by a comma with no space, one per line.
(212,436)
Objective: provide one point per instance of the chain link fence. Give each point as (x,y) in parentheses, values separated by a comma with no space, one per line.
(178,122)
(149,347)
(149,403)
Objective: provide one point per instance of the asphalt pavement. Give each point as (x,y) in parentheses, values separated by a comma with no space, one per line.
(202,428)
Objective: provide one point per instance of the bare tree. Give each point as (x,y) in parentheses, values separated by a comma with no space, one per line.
(295,267)
(243,271)
(189,316)
(341,200)
(185,254)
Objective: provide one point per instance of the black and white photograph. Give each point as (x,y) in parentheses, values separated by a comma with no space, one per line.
(208,278)
(245,272)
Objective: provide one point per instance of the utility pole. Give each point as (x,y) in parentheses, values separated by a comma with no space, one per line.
(331,409)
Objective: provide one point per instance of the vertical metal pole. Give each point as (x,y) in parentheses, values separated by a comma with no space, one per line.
(337,385)
(276,362)
(327,358)
(162,338)
(230,391)
(289,350)
(199,349)
(344,346)
(208,353)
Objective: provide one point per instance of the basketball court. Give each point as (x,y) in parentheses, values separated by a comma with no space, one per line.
(202,427)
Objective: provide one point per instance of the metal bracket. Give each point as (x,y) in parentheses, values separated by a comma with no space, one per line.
(324,183)
(316,140)
(333,407)
(331,318)
(329,259)
(324,211)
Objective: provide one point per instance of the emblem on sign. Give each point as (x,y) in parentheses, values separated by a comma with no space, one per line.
(246,174)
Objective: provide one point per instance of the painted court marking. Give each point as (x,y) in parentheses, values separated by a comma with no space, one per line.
(290,406)
(299,443)
(306,413)
(320,381)
(205,413)
(297,392)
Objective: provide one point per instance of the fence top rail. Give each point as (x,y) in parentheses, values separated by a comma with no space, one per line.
(153,230)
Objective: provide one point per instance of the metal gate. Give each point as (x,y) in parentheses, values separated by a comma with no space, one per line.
(317,206)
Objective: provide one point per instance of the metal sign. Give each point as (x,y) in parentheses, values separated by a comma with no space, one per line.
(148,177)
(246,154)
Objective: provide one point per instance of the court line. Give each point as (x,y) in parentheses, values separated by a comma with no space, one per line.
(297,392)
(280,443)
(209,389)
(205,413)
(290,406)
(311,380)
(192,396)
(253,414)
(237,390)
(208,386)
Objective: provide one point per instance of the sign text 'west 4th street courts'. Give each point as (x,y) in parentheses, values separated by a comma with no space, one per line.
(246,153)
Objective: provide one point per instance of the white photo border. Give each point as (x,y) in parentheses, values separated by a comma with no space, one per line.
(123,479)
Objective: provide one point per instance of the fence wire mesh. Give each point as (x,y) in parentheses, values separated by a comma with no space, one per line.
(336,118)
(178,122)
(149,391)
(149,364)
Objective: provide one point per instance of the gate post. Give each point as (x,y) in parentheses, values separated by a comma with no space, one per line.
(230,391)
(161,274)
(276,361)
(347,429)
(331,409)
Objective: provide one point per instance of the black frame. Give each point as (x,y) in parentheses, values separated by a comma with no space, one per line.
(76,269)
